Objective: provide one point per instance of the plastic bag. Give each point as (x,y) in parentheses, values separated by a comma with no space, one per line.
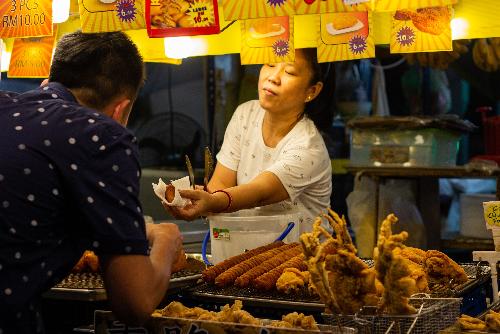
(361,210)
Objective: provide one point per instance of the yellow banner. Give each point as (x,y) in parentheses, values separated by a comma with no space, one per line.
(25,18)
(31,57)
(331,6)
(345,36)
(393,5)
(111,15)
(424,30)
(247,9)
(267,40)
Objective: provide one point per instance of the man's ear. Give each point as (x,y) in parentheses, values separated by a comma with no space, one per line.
(121,111)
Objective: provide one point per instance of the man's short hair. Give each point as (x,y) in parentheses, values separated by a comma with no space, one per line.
(100,66)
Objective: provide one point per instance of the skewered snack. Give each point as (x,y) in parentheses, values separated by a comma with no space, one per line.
(440,268)
(268,280)
(296,320)
(211,273)
(230,275)
(393,270)
(245,279)
(88,262)
(292,280)
(470,323)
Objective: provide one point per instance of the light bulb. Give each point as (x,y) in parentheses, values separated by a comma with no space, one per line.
(60,10)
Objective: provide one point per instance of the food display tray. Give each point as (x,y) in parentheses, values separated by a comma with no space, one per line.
(89,286)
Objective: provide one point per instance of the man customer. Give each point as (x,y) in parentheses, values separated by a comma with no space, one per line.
(69,181)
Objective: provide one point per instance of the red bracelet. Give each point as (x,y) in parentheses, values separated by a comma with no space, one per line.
(229,197)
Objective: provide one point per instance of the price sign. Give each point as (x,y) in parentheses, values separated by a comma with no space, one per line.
(25,18)
(491,211)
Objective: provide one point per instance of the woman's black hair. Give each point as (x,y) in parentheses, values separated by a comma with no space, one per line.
(320,110)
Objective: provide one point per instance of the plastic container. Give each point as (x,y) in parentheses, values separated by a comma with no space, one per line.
(231,234)
(471,215)
(406,141)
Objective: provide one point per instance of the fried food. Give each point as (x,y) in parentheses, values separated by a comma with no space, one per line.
(432,20)
(268,280)
(88,262)
(415,258)
(230,275)
(211,273)
(393,270)
(173,13)
(403,15)
(415,255)
(443,270)
(178,310)
(180,263)
(170,193)
(343,282)
(344,21)
(292,280)
(492,320)
(469,323)
(268,265)
(234,313)
(295,320)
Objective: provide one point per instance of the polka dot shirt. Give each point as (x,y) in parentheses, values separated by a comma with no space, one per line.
(69,181)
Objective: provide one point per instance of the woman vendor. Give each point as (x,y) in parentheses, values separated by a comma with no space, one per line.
(273,155)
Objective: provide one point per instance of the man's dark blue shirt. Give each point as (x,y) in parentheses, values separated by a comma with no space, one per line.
(69,181)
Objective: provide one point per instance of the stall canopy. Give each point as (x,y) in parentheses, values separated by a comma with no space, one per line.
(470,19)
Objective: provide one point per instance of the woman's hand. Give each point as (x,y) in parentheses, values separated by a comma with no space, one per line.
(202,203)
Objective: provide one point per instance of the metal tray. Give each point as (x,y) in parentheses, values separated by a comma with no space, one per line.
(477,273)
(88,286)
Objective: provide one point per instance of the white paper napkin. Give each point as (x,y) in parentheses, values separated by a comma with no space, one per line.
(180,184)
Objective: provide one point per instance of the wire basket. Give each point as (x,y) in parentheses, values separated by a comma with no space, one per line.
(433,314)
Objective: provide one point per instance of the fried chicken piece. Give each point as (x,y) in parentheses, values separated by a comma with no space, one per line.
(403,15)
(469,323)
(296,320)
(413,254)
(211,273)
(432,20)
(393,270)
(441,269)
(492,320)
(268,265)
(234,313)
(292,280)
(178,310)
(88,262)
(268,280)
(230,275)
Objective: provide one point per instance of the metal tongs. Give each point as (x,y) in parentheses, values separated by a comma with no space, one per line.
(209,163)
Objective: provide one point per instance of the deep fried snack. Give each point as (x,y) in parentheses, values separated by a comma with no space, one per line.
(295,320)
(211,273)
(88,262)
(413,254)
(180,263)
(230,275)
(292,280)
(393,270)
(170,193)
(441,269)
(268,280)
(234,313)
(469,323)
(492,320)
(403,15)
(245,279)
(432,20)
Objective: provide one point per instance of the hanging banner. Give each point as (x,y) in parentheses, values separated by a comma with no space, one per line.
(25,18)
(248,9)
(345,36)
(111,15)
(422,30)
(267,40)
(168,18)
(393,5)
(31,57)
(332,6)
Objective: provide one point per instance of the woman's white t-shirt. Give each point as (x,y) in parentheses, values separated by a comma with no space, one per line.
(300,161)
